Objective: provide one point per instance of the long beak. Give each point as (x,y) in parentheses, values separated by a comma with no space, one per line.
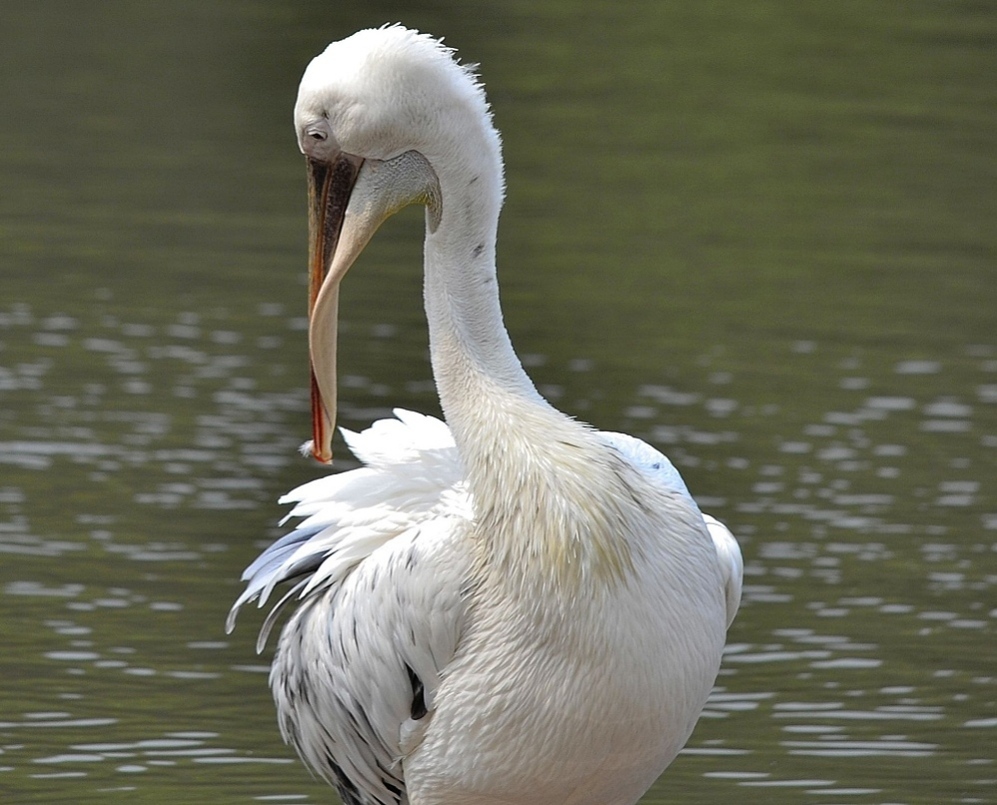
(330,185)
(349,198)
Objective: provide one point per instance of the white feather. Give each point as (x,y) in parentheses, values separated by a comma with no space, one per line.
(383,549)
(657,466)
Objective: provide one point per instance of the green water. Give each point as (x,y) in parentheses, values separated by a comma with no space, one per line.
(759,235)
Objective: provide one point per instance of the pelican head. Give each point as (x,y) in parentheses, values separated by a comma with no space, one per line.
(385,118)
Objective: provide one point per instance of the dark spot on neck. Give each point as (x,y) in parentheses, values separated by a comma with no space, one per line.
(478,250)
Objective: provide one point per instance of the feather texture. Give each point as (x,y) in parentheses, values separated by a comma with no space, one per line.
(379,565)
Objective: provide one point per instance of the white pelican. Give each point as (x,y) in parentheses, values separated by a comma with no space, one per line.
(511,608)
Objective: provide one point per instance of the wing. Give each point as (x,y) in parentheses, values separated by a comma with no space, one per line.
(377,568)
(657,466)
(731,563)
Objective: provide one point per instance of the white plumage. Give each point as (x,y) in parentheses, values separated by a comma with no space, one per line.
(510,608)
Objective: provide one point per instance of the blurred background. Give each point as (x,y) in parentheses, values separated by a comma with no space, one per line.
(759,235)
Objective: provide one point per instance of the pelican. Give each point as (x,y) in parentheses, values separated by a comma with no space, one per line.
(508,608)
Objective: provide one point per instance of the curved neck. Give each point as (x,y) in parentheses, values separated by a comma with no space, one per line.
(543,484)
(474,364)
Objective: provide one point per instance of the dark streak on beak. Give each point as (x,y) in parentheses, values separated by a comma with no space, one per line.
(329,188)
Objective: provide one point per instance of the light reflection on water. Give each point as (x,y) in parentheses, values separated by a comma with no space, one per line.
(804,258)
(858,638)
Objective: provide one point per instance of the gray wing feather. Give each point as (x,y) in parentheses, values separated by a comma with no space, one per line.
(377,566)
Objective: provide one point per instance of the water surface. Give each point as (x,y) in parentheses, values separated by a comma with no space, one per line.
(759,236)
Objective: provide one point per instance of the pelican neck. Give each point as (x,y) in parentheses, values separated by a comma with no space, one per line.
(527,465)
(472,355)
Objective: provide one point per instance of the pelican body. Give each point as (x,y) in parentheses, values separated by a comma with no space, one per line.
(508,608)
